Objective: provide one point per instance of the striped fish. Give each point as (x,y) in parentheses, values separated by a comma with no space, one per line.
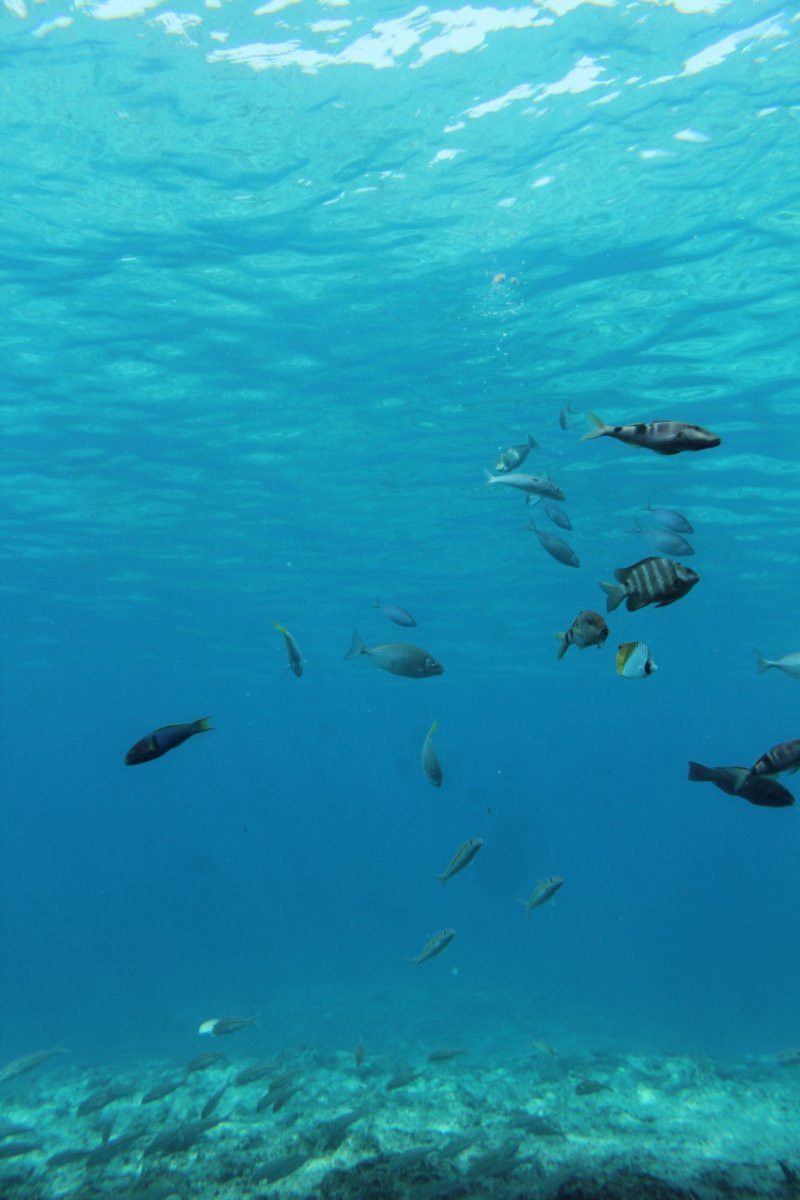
(658,581)
(634,661)
(783,757)
(544,891)
(462,858)
(435,945)
(665,437)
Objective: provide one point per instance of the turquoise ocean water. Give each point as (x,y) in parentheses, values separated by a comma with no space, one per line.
(278,283)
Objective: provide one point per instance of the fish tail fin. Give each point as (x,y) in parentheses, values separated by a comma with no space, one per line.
(637,525)
(615,594)
(203,725)
(763,663)
(357,646)
(442,879)
(532,442)
(433,728)
(600,427)
(489,477)
(280,628)
(564,646)
(698,773)
(527,908)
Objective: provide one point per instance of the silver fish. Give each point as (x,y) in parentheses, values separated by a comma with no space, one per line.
(394,613)
(789,664)
(533,485)
(435,945)
(399,658)
(588,629)
(665,437)
(656,581)
(292,650)
(563,416)
(515,455)
(462,858)
(671,519)
(430,759)
(556,547)
(544,891)
(665,540)
(556,514)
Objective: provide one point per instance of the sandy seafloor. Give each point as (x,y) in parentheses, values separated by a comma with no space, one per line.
(503,1119)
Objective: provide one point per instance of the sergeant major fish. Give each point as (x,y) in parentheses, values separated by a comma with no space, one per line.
(634,661)
(399,658)
(161,740)
(544,891)
(665,437)
(789,664)
(435,945)
(461,859)
(737,781)
(515,455)
(430,759)
(658,581)
(588,629)
(532,485)
(292,650)
(556,547)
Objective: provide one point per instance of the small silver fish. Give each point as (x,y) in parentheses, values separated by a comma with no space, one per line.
(634,661)
(563,416)
(556,547)
(435,945)
(544,891)
(461,859)
(515,455)
(658,581)
(399,658)
(665,540)
(556,514)
(292,650)
(532,485)
(789,664)
(665,437)
(670,519)
(430,759)
(394,613)
(588,629)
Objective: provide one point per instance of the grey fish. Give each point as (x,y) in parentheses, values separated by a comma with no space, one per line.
(161,1090)
(515,455)
(656,581)
(671,519)
(738,781)
(279,1168)
(221,1026)
(556,514)
(435,945)
(13,1129)
(789,664)
(590,1087)
(563,416)
(399,658)
(100,1099)
(402,1079)
(445,1054)
(783,757)
(665,540)
(281,1098)
(292,650)
(544,891)
(532,485)
(329,1135)
(113,1149)
(665,437)
(588,629)
(253,1074)
(201,1062)
(394,613)
(788,1058)
(17,1149)
(63,1158)
(212,1103)
(556,547)
(28,1062)
(430,759)
(179,1139)
(461,859)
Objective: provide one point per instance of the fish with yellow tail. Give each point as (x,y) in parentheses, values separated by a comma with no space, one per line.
(634,661)
(161,740)
(430,759)
(544,891)
(658,581)
(664,437)
(292,650)
(588,629)
(434,945)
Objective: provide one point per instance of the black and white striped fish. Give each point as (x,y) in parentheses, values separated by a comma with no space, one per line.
(665,437)
(658,581)
(783,757)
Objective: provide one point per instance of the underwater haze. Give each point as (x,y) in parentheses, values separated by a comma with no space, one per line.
(279,284)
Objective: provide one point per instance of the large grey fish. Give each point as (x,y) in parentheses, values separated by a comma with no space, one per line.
(515,455)
(783,757)
(789,664)
(556,547)
(28,1062)
(399,658)
(588,629)
(671,519)
(462,858)
(292,650)
(435,945)
(665,437)
(665,540)
(393,612)
(738,781)
(556,514)
(656,581)
(430,759)
(544,891)
(532,485)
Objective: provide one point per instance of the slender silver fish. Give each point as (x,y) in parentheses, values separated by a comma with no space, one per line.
(435,945)
(532,485)
(461,859)
(544,891)
(789,664)
(430,759)
(292,650)
(399,658)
